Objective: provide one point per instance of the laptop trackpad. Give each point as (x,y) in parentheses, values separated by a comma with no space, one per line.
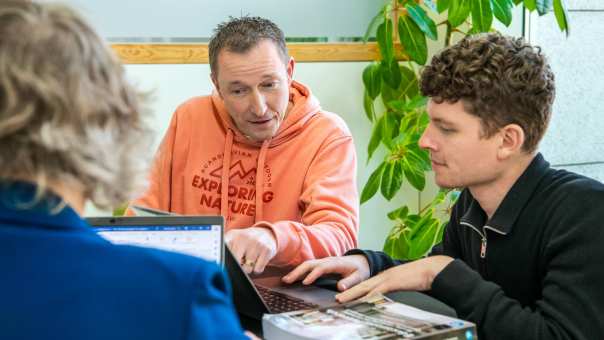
(316,295)
(312,294)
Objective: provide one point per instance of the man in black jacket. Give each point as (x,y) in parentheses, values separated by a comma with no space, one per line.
(521,255)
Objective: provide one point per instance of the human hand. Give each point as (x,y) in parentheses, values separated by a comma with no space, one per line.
(416,275)
(353,268)
(251,335)
(252,247)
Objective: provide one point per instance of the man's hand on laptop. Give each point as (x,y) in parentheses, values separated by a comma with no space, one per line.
(253,247)
(417,275)
(352,268)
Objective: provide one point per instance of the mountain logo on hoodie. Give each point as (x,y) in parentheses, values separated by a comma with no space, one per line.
(236,170)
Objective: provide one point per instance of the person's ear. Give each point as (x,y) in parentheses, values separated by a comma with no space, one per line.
(511,139)
(290,70)
(215,82)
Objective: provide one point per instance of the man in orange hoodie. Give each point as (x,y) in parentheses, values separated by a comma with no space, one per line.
(261,152)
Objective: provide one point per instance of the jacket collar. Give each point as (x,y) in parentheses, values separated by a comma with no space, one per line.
(514,201)
(50,211)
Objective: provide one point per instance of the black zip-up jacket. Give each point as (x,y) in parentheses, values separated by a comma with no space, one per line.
(535,270)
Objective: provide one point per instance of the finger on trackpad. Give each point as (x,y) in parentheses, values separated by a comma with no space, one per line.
(328,282)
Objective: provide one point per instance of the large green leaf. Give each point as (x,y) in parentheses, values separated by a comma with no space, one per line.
(441,231)
(412,104)
(419,223)
(392,179)
(372,79)
(376,138)
(399,141)
(389,94)
(391,73)
(424,119)
(442,5)
(423,242)
(531,5)
(516,2)
(544,6)
(413,40)
(384,40)
(417,102)
(561,15)
(399,214)
(423,21)
(389,128)
(422,155)
(414,171)
(482,15)
(440,197)
(409,84)
(408,87)
(417,234)
(397,245)
(458,12)
(403,246)
(503,11)
(407,123)
(368,106)
(398,105)
(373,183)
(390,245)
(377,19)
(412,220)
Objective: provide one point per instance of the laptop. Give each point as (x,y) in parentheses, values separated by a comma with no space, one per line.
(200,236)
(254,297)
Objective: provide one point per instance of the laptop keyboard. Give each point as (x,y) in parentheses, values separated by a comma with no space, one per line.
(279,303)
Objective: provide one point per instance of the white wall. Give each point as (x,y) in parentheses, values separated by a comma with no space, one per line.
(574,140)
(165,20)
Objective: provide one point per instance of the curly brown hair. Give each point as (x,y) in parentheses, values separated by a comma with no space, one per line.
(502,80)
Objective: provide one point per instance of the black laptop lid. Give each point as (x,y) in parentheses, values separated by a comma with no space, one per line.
(245,296)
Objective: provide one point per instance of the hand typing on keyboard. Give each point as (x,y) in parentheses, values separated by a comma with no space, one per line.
(352,268)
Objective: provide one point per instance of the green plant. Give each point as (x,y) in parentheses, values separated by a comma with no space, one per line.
(402,28)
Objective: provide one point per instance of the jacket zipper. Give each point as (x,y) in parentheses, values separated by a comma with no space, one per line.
(483,248)
(483,237)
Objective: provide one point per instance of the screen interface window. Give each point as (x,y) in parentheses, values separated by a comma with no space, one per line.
(202,241)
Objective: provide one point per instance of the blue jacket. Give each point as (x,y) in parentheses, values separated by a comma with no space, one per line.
(60,280)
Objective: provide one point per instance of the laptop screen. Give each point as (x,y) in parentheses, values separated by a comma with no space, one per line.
(197,238)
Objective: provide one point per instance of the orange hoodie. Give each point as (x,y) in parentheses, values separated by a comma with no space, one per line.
(306,193)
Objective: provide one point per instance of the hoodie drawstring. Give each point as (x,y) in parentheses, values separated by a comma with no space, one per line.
(260,180)
(225,175)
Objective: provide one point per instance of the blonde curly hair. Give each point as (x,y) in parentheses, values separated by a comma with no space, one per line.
(67,113)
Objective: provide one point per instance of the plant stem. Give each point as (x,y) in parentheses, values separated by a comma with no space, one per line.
(448,35)
(395,20)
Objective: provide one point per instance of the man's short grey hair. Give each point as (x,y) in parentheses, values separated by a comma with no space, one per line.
(239,35)
(67,112)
